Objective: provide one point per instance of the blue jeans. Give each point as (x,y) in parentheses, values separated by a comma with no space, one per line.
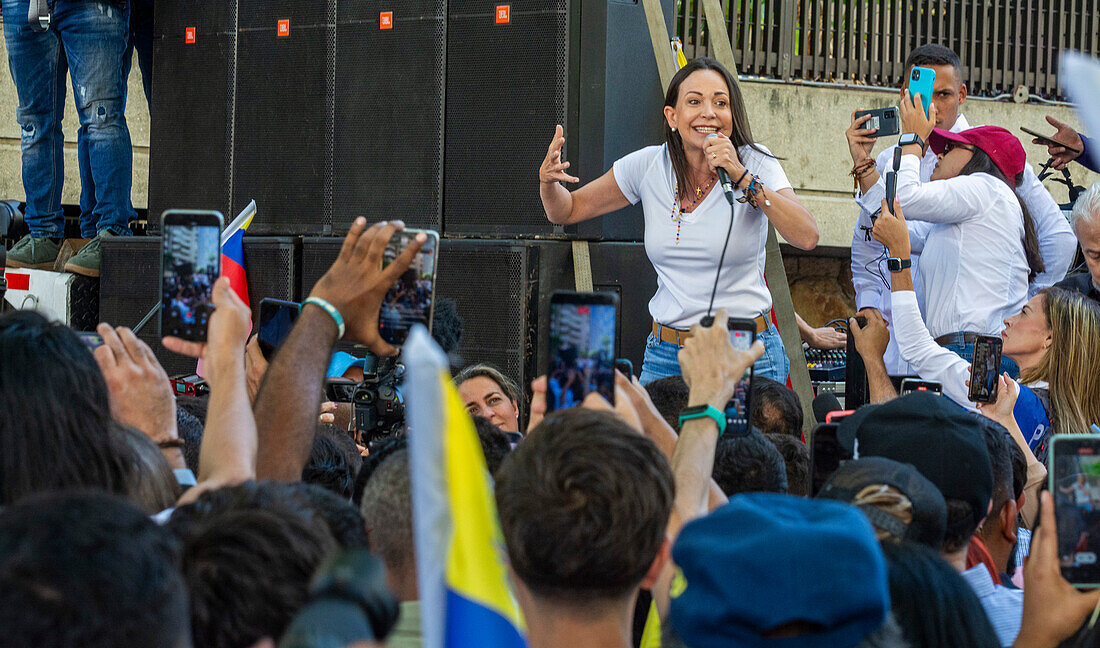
(89,39)
(661,359)
(141,41)
(966,352)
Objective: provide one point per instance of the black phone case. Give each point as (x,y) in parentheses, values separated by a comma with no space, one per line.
(994,346)
(885,121)
(176,218)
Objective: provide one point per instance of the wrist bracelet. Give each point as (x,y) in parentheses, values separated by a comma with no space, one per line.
(704,411)
(738,183)
(331,310)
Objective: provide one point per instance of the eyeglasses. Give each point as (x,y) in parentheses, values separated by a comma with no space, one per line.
(951,146)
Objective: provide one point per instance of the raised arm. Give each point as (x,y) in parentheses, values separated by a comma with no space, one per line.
(563,207)
(930,360)
(228,452)
(290,395)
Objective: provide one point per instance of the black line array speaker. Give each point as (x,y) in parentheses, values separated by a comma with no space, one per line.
(282,139)
(514,72)
(388,128)
(194,59)
(502,291)
(130,284)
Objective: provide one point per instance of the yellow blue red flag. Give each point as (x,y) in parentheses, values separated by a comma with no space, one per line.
(232,240)
(466,596)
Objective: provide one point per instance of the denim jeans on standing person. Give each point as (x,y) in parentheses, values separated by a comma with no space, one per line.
(966,352)
(661,358)
(89,39)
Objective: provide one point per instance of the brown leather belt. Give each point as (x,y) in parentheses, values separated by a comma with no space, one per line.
(962,337)
(678,337)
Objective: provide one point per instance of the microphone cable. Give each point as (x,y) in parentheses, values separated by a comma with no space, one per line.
(708,319)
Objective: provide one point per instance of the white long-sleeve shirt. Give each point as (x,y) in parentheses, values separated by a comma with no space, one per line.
(973,267)
(1057,243)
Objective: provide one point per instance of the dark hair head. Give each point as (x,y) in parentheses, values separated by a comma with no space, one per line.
(742,133)
(980,162)
(933,54)
(335,511)
(960,525)
(584,502)
(150,482)
(796,458)
(932,602)
(372,462)
(190,431)
(998,442)
(387,512)
(446,324)
(248,556)
(328,467)
(670,397)
(748,463)
(775,407)
(88,569)
(494,443)
(54,412)
(1019,470)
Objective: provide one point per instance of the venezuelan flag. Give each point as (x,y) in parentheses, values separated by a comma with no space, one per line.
(232,240)
(466,597)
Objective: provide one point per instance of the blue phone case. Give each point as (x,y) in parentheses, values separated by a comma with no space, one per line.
(921,81)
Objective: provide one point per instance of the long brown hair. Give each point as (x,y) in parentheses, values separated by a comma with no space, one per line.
(980,162)
(742,133)
(1071,365)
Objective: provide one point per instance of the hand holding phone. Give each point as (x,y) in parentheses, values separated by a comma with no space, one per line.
(356,284)
(190,264)
(714,369)
(1051,143)
(884,121)
(1074,471)
(583,329)
(922,81)
(411,299)
(985,369)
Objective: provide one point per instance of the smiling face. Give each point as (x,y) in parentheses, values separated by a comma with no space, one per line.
(484,397)
(702,108)
(1027,334)
(952,160)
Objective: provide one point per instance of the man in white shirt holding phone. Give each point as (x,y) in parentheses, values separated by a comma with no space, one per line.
(1056,240)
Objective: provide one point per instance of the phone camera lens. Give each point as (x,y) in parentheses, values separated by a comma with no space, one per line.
(916,75)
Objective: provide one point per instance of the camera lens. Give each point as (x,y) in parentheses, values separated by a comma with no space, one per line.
(916,75)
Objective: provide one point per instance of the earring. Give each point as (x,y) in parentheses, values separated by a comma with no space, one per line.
(673,129)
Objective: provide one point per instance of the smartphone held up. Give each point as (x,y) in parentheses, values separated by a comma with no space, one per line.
(190,264)
(411,300)
(583,348)
(1074,474)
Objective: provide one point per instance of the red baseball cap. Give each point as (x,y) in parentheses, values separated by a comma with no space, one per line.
(1000,145)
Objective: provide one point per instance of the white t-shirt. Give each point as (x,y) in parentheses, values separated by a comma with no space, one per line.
(686,269)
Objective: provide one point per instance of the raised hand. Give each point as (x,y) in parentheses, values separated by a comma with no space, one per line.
(1066,135)
(710,364)
(553,169)
(140,393)
(891,231)
(860,142)
(357,283)
(226,334)
(913,119)
(870,340)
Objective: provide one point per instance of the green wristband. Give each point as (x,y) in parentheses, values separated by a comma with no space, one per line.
(331,310)
(708,411)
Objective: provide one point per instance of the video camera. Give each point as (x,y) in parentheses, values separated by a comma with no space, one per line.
(378,402)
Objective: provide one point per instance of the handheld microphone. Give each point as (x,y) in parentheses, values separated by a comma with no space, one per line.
(724,179)
(824,404)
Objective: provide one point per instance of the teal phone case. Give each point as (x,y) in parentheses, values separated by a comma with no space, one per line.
(921,81)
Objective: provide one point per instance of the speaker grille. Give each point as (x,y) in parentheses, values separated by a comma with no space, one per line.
(491,282)
(506,89)
(189,152)
(388,137)
(172,18)
(272,267)
(283,124)
(129,287)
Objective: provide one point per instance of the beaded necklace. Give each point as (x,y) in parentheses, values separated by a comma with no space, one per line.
(677,210)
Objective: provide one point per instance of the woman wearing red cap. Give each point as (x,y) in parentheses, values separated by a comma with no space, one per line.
(981,249)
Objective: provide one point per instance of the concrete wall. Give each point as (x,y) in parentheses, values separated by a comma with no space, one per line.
(137,118)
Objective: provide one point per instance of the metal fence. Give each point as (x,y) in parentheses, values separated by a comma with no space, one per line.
(1003,44)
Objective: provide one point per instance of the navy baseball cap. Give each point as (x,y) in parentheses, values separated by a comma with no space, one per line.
(765,561)
(944,442)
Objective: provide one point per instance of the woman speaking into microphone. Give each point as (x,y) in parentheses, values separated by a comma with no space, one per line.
(690,224)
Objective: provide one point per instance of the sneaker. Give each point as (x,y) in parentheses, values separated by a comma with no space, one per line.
(35,253)
(86,260)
